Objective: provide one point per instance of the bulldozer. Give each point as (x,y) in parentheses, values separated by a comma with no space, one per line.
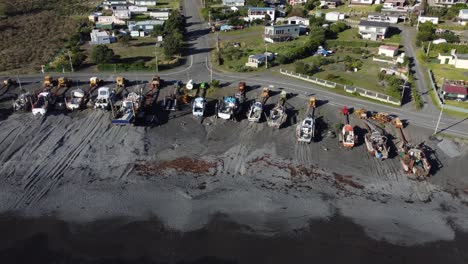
(361,113)
(156,82)
(48,82)
(381,117)
(94,82)
(121,82)
(63,82)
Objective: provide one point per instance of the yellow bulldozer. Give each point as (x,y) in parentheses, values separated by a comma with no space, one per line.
(48,82)
(63,82)
(121,81)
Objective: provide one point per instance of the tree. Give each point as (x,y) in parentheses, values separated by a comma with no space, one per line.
(378,8)
(158,30)
(102,54)
(125,40)
(235,21)
(258,3)
(173,44)
(315,21)
(450,37)
(311,4)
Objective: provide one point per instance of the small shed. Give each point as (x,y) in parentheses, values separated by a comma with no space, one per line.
(389,51)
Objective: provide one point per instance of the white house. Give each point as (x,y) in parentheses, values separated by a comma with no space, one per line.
(463,17)
(146,25)
(361,2)
(122,14)
(330,3)
(234,2)
(334,16)
(160,14)
(260,13)
(257,60)
(295,20)
(277,33)
(389,51)
(99,37)
(449,2)
(381,17)
(373,30)
(460,61)
(144,2)
(297,2)
(110,19)
(433,20)
(137,9)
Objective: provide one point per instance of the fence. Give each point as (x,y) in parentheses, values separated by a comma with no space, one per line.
(439,101)
(350,89)
(385,61)
(371,94)
(309,78)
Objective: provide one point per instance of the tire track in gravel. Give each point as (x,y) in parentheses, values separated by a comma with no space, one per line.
(236,161)
(48,171)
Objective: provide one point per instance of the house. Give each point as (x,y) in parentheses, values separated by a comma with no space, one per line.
(455,90)
(278,33)
(463,17)
(114,2)
(394,3)
(373,30)
(257,60)
(122,14)
(274,2)
(361,2)
(460,61)
(99,37)
(334,16)
(388,51)
(297,2)
(118,7)
(330,3)
(144,2)
(450,2)
(381,17)
(110,19)
(260,13)
(137,9)
(295,20)
(160,14)
(433,20)
(234,2)
(146,25)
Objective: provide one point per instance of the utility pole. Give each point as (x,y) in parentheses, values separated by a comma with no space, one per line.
(440,116)
(19,82)
(266,56)
(209,18)
(71,64)
(156,56)
(428,47)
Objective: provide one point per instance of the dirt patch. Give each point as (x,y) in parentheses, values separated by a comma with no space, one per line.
(183,164)
(346,180)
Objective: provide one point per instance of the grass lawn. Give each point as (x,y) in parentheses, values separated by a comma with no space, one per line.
(457,104)
(138,49)
(352,35)
(366,77)
(442,71)
(251,43)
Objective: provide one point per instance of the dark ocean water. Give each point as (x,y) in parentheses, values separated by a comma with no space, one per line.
(338,240)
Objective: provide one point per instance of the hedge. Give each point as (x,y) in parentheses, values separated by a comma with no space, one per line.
(447,47)
(356,44)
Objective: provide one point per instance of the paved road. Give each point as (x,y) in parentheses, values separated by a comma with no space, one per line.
(201,43)
(407,34)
